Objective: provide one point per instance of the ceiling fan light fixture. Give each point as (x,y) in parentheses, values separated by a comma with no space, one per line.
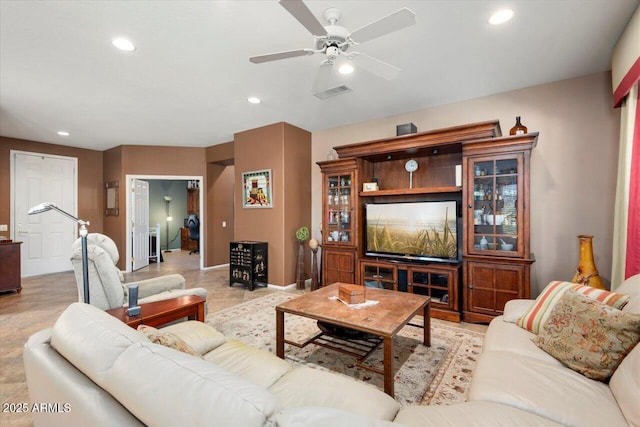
(501,16)
(123,44)
(346,68)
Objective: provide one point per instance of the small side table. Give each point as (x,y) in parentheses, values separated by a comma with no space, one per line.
(10,266)
(161,312)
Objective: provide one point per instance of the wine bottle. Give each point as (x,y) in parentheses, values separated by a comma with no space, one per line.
(518,128)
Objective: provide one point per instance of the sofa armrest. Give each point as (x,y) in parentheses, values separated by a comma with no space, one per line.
(515,308)
(156,285)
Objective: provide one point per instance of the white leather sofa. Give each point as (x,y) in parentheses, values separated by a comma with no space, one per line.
(103,373)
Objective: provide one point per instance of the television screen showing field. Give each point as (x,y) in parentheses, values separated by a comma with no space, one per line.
(425,229)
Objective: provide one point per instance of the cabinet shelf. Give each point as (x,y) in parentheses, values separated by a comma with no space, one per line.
(409,191)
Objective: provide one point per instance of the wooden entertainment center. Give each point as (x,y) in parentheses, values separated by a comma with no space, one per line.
(492,195)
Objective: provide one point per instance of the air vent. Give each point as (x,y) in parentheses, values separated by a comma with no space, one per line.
(332,92)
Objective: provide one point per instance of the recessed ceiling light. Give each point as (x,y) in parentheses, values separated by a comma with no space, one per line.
(63,133)
(254,100)
(123,44)
(346,68)
(501,16)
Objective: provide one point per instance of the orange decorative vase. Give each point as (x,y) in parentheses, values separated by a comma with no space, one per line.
(587,273)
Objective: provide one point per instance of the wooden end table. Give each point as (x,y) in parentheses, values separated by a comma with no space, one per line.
(385,319)
(158,313)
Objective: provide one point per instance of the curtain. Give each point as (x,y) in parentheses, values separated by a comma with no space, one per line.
(626,233)
(625,78)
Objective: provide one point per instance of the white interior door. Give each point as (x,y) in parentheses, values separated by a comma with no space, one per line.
(140,224)
(47,237)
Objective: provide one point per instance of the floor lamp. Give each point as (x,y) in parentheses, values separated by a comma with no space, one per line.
(168,200)
(48,206)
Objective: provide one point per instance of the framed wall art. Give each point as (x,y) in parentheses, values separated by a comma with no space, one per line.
(111,198)
(257,190)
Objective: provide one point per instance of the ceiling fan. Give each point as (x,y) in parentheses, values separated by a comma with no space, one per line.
(335,41)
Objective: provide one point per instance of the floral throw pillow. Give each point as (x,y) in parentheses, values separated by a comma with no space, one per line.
(167,339)
(588,336)
(539,312)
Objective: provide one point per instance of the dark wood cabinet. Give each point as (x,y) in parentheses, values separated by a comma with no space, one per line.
(441,282)
(186,244)
(340,220)
(338,265)
(485,173)
(378,274)
(193,201)
(496,240)
(248,263)
(10,267)
(490,284)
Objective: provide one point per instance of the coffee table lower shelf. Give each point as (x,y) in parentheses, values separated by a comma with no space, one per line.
(360,349)
(380,323)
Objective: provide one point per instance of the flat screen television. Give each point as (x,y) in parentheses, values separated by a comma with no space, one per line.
(420,231)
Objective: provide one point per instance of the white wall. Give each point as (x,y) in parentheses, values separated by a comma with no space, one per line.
(573,167)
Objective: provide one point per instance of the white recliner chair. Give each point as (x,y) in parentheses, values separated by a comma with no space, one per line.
(107,289)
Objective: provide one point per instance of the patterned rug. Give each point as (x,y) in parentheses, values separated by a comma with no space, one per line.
(439,375)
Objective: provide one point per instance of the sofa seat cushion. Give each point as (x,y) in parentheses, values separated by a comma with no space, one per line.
(504,336)
(315,416)
(164,387)
(91,339)
(470,414)
(546,389)
(201,337)
(314,387)
(253,364)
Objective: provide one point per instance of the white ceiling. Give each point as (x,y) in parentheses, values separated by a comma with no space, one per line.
(187,82)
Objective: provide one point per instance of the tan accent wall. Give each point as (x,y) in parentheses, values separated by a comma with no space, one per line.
(286,151)
(148,160)
(573,167)
(90,183)
(220,202)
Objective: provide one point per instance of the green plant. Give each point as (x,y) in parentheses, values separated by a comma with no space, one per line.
(302,234)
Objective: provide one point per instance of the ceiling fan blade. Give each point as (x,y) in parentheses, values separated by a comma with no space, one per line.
(280,55)
(375,66)
(301,12)
(396,21)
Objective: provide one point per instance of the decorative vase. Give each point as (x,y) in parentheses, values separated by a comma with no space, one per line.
(300,282)
(315,280)
(587,273)
(518,128)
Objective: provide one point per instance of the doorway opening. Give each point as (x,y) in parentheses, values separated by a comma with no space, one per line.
(167,201)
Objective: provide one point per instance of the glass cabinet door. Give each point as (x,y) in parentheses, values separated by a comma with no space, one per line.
(494,204)
(378,276)
(339,205)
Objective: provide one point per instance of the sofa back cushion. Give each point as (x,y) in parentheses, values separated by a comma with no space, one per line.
(625,386)
(164,387)
(631,287)
(91,339)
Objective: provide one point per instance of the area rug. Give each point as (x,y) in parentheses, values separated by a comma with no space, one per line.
(436,375)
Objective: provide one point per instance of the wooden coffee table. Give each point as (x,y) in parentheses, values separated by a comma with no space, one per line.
(158,313)
(385,320)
